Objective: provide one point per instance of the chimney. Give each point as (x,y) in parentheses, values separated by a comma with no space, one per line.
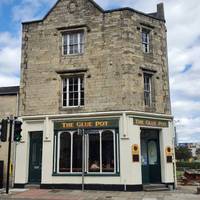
(160,11)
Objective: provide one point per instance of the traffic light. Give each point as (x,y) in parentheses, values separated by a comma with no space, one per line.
(17,131)
(3,130)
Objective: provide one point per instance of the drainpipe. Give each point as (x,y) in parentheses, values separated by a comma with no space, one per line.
(174,157)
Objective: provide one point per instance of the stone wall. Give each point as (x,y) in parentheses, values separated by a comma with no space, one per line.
(8,105)
(113,58)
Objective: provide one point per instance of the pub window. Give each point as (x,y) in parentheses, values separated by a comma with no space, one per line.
(77,153)
(65,152)
(100,152)
(94,152)
(73,42)
(73,91)
(107,151)
(148,89)
(146,40)
(70,152)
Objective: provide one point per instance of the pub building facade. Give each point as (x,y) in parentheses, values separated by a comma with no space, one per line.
(94,99)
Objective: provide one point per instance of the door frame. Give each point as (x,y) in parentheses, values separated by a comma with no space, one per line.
(29,135)
(157,140)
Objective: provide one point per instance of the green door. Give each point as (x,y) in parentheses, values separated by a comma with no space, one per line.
(35,157)
(150,151)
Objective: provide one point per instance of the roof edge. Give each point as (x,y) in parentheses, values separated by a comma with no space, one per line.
(11,90)
(154,16)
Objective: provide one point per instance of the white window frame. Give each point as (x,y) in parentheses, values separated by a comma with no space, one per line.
(150,89)
(71,158)
(86,156)
(67,35)
(116,162)
(146,44)
(67,92)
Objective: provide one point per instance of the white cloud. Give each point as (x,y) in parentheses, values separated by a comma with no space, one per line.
(189,108)
(8,80)
(27,10)
(188,129)
(9,60)
(9,54)
(6,39)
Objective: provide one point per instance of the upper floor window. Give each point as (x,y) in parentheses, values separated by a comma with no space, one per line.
(73,43)
(73,91)
(146,40)
(148,89)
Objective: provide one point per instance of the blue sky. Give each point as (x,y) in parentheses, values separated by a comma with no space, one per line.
(183,22)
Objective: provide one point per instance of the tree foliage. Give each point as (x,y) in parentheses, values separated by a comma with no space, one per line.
(183,153)
(198,153)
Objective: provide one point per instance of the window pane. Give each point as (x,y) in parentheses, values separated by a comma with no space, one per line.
(144,152)
(70,88)
(82,84)
(152,153)
(71,49)
(75,48)
(147,89)
(75,102)
(82,102)
(145,40)
(73,43)
(71,102)
(65,49)
(147,99)
(77,153)
(71,93)
(65,152)
(82,95)
(94,153)
(108,152)
(71,39)
(76,87)
(70,81)
(76,80)
(65,39)
(64,95)
(81,38)
(64,102)
(64,92)
(75,38)
(76,95)
(81,48)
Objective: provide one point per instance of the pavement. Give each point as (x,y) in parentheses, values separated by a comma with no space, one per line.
(182,193)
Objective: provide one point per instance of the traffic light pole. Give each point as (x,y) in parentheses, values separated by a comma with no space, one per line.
(9,154)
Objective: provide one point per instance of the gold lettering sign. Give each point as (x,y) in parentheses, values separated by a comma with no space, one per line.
(150,122)
(86,124)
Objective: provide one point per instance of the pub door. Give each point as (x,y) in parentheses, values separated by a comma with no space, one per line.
(150,155)
(35,157)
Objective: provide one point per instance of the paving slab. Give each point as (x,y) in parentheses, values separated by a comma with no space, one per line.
(183,193)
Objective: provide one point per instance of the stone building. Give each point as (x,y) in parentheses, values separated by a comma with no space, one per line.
(9,99)
(94,98)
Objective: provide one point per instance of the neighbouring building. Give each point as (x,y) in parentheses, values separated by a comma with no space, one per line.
(193,147)
(94,99)
(9,98)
